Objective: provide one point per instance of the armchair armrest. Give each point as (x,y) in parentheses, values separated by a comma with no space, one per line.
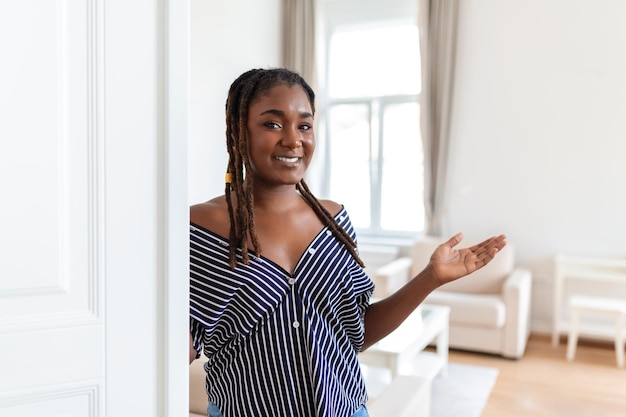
(391,276)
(516,293)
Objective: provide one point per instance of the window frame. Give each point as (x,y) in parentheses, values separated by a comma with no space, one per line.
(337,16)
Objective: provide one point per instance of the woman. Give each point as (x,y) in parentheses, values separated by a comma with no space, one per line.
(279,300)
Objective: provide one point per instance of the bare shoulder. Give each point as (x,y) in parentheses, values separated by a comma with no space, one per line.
(212,215)
(332,207)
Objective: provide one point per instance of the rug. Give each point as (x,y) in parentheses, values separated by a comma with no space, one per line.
(463,392)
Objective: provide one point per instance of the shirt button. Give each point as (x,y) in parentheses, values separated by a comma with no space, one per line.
(311,251)
(291,281)
(329,232)
(295,324)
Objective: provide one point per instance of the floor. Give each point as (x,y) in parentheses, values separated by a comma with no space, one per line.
(544,384)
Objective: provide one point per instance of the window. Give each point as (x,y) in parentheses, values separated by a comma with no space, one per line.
(370,128)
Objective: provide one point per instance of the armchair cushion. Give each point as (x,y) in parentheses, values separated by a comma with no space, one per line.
(473,310)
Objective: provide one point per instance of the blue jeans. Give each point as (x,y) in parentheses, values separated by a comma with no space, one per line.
(361,412)
(213,411)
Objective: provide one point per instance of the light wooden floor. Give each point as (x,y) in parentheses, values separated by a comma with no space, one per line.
(544,384)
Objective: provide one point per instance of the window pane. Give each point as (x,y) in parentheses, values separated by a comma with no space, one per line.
(349,160)
(375,61)
(402,206)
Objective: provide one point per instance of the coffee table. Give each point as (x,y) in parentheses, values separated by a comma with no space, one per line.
(402,351)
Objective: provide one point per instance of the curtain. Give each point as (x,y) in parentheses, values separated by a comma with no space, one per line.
(298,46)
(438,31)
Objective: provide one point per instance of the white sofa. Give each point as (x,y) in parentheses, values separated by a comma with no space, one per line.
(198,400)
(489,309)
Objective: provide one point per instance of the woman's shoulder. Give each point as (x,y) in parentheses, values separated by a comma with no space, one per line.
(331,206)
(212,215)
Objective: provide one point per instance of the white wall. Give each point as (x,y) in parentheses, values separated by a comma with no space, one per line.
(227,38)
(540,132)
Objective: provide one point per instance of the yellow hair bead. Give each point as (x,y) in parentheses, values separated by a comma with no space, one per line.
(228,178)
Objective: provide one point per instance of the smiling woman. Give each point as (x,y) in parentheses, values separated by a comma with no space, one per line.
(280,303)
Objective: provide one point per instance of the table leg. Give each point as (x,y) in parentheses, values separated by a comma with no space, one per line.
(442,349)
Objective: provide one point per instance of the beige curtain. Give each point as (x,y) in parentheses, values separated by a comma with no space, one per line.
(438,29)
(298,52)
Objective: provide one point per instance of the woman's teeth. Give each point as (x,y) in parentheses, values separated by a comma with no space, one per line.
(285,159)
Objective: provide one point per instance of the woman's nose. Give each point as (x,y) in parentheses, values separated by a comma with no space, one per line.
(291,138)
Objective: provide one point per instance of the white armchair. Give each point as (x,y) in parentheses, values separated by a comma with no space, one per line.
(489,309)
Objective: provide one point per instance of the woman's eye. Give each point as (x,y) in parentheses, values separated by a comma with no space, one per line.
(306,127)
(272,125)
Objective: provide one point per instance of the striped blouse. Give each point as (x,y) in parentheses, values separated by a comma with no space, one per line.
(279,344)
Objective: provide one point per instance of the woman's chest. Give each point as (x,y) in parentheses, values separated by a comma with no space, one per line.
(285,239)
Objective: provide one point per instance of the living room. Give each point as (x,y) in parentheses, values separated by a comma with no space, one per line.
(537,132)
(96,114)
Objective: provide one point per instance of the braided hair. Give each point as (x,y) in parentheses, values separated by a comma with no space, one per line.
(247,88)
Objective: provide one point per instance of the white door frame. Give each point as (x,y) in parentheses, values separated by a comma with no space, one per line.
(176,290)
(171,368)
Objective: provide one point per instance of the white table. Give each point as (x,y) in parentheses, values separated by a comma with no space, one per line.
(606,271)
(402,350)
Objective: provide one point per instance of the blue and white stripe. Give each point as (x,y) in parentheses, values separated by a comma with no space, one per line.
(280,344)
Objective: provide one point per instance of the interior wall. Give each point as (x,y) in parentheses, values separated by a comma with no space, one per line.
(539,133)
(226,39)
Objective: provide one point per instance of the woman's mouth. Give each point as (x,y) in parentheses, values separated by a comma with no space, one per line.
(289,160)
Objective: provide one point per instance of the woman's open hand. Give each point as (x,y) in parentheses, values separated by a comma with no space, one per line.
(448,263)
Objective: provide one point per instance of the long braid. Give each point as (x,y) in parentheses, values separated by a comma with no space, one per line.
(244,217)
(240,178)
(231,147)
(236,135)
(247,196)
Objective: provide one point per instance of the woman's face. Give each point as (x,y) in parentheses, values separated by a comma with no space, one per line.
(280,135)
